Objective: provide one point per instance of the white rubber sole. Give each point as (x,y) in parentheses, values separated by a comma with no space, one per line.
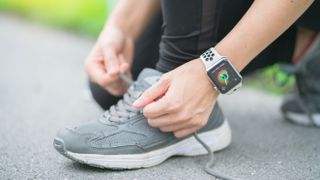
(216,139)
(303,118)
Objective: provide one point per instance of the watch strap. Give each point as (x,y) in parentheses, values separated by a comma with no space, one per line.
(210,57)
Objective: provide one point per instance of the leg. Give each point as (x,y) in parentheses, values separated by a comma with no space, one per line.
(146,55)
(190,30)
(303,107)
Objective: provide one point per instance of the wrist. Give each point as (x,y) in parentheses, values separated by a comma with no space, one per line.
(121,26)
(124,20)
(132,17)
(237,59)
(202,70)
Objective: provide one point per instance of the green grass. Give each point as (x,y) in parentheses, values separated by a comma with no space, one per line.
(87,16)
(271,80)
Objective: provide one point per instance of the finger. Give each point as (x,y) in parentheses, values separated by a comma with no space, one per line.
(156,109)
(185,132)
(151,94)
(128,52)
(176,126)
(111,61)
(98,74)
(161,121)
(124,65)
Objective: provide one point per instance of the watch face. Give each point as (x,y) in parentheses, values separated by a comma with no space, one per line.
(224,76)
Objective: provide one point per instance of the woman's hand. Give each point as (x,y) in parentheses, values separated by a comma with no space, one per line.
(181,101)
(112,53)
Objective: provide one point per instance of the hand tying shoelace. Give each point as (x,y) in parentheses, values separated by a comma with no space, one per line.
(127,101)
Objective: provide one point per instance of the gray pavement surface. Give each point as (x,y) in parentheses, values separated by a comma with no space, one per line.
(43,88)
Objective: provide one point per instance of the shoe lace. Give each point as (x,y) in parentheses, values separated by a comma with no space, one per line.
(210,163)
(125,106)
(123,110)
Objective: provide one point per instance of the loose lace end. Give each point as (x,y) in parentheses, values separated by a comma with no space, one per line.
(208,167)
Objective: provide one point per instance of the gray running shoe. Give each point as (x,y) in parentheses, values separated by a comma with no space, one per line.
(122,138)
(303,107)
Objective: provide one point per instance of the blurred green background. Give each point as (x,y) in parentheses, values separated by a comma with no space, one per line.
(86,16)
(89,16)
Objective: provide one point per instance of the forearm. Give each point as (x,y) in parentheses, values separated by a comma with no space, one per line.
(261,25)
(132,16)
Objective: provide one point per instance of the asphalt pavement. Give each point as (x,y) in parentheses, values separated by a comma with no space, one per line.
(43,88)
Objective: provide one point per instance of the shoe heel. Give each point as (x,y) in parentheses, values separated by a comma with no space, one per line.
(216,139)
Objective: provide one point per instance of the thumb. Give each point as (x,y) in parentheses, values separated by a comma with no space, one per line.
(111,61)
(124,65)
(153,93)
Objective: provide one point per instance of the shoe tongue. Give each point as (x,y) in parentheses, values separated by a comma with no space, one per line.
(148,77)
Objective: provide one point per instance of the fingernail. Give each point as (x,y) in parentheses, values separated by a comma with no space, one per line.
(136,103)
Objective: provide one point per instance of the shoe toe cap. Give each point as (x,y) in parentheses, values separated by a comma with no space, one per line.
(69,140)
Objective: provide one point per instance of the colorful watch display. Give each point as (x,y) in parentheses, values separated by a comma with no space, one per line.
(222,74)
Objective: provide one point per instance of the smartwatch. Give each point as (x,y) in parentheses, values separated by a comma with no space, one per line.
(225,78)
